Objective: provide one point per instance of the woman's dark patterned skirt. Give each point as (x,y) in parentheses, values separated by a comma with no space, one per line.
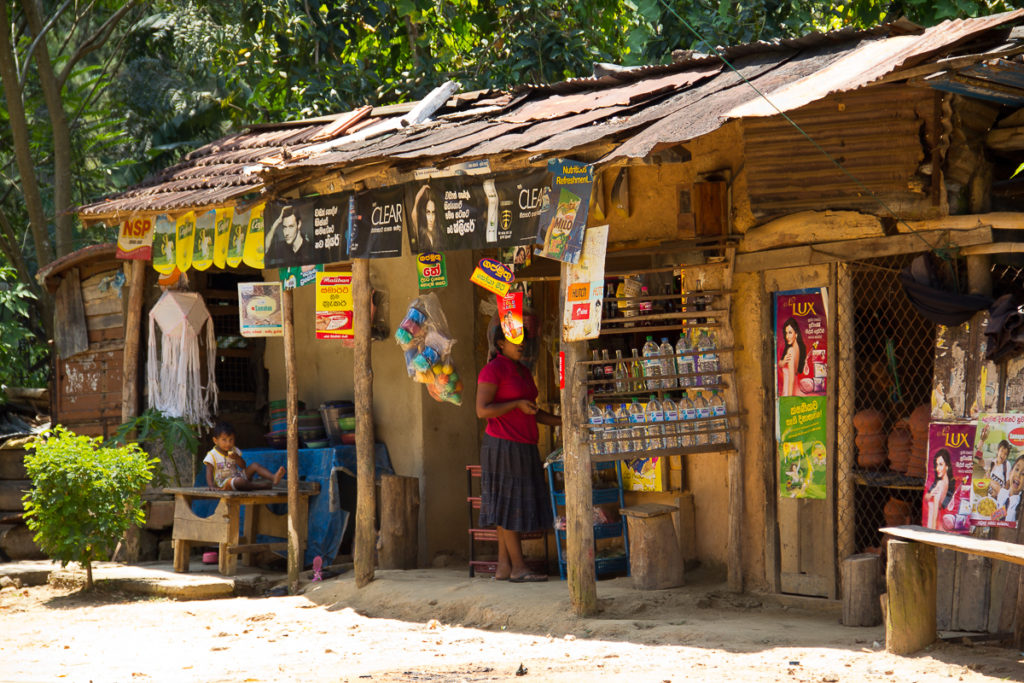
(513,492)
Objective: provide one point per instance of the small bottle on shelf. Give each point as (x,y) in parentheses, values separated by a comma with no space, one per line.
(721,425)
(703,423)
(668,365)
(687,413)
(636,371)
(636,422)
(596,421)
(654,417)
(621,373)
(652,366)
(671,411)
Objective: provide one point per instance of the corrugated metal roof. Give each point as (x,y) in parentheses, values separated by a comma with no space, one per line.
(636,110)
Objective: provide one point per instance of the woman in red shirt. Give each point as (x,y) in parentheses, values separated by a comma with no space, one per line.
(513,495)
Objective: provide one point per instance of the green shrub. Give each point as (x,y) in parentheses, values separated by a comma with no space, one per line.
(177,438)
(84,497)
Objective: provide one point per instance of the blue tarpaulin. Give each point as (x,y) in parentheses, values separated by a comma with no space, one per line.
(327,517)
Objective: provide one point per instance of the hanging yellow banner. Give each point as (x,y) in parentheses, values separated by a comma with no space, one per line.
(252,256)
(220,239)
(236,237)
(185,228)
(202,253)
(163,244)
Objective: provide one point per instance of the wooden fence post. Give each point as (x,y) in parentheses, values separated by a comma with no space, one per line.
(292,401)
(365,536)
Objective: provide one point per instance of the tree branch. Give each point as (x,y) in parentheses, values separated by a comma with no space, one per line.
(95,41)
(39,37)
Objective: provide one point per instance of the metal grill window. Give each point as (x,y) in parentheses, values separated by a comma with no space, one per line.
(893,351)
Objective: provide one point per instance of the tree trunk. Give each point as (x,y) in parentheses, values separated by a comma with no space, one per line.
(22,149)
(63,216)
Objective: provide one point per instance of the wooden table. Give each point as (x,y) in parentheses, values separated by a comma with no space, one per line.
(910,580)
(222,527)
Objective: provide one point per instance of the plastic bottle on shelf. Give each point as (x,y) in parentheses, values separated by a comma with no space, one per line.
(645,305)
(594,371)
(685,363)
(720,425)
(652,366)
(607,373)
(671,411)
(636,421)
(596,421)
(707,360)
(636,371)
(687,413)
(610,431)
(622,429)
(655,418)
(668,365)
(621,373)
(700,404)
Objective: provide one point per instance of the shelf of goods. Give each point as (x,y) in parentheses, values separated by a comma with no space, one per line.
(479,534)
(615,564)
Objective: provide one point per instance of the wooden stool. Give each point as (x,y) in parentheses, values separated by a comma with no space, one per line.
(861,606)
(655,561)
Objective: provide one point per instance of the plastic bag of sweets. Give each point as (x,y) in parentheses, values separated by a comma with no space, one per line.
(425,340)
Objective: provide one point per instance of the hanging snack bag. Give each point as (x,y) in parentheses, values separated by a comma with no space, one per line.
(425,341)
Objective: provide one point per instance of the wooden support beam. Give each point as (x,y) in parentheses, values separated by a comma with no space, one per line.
(292,402)
(579,513)
(910,598)
(845,384)
(399,521)
(132,330)
(365,539)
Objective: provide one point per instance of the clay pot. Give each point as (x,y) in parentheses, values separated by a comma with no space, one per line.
(896,512)
(870,442)
(871,459)
(899,438)
(868,421)
(920,418)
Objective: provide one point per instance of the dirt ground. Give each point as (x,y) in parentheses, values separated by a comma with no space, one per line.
(437,625)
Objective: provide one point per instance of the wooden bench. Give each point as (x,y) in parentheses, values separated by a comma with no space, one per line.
(910,579)
(222,527)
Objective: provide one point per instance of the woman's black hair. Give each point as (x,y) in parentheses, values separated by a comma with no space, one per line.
(222,429)
(494,335)
(801,347)
(944,454)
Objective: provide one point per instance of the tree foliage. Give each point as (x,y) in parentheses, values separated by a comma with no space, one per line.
(84,497)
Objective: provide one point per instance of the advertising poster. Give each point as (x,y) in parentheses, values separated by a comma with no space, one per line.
(378,222)
(252,255)
(298,276)
(803,433)
(947,488)
(202,252)
(510,313)
(164,238)
(135,239)
(334,305)
(584,289)
(306,232)
(998,470)
(560,232)
(801,342)
(185,228)
(236,238)
(644,474)
(431,271)
(222,237)
(450,214)
(259,309)
(493,276)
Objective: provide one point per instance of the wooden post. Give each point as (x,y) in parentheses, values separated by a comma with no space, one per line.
(579,514)
(132,334)
(844,320)
(365,537)
(130,377)
(732,405)
(292,401)
(910,603)
(399,521)
(861,606)
(655,561)
(979,274)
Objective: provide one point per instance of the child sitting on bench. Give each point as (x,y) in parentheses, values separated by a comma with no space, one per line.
(226,469)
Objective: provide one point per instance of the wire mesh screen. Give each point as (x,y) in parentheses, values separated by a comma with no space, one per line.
(892,348)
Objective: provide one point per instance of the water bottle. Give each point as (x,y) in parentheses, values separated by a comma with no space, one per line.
(703,423)
(652,366)
(621,373)
(684,360)
(687,413)
(596,420)
(622,429)
(611,446)
(636,421)
(668,365)
(654,417)
(671,411)
(720,425)
(636,371)
(707,361)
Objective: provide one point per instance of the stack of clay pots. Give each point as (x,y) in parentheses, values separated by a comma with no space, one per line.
(919,419)
(870,439)
(900,444)
(896,512)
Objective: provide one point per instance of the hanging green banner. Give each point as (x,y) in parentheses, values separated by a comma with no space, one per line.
(803,455)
